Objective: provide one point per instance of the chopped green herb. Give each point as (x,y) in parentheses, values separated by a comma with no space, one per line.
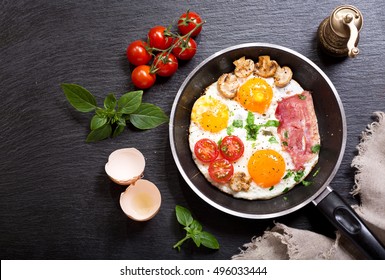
(273,123)
(238,123)
(306,183)
(230,130)
(250,118)
(273,140)
(288,174)
(298,175)
(271,188)
(302,97)
(316,148)
(285,190)
(286,134)
(284,143)
(252,131)
(316,172)
(219,141)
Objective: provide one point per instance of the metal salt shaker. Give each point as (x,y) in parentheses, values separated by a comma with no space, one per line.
(339,34)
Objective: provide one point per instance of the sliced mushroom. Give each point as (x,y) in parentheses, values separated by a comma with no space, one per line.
(240,182)
(282,76)
(228,85)
(243,67)
(265,67)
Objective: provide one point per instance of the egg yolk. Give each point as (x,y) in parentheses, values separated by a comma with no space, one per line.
(255,95)
(210,113)
(266,168)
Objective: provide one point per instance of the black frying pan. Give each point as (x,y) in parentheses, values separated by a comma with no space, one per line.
(332,127)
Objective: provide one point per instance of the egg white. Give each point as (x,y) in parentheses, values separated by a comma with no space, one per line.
(237,112)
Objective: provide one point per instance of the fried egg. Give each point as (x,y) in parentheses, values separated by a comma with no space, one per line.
(265,170)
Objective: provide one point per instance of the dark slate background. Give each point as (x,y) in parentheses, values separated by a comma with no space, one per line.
(56,201)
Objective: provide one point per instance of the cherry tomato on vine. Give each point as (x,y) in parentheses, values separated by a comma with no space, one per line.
(157,37)
(165,64)
(142,77)
(187,22)
(183,49)
(137,53)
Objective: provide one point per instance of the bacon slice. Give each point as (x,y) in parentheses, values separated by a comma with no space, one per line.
(298,127)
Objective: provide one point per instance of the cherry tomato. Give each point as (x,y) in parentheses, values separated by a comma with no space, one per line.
(158,39)
(221,170)
(165,64)
(231,148)
(187,22)
(185,50)
(142,77)
(137,54)
(206,150)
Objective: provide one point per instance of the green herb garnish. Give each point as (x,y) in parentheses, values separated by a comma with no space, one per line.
(238,123)
(316,172)
(316,148)
(273,140)
(286,134)
(252,129)
(306,183)
(271,188)
(111,120)
(301,96)
(298,175)
(273,123)
(230,130)
(194,230)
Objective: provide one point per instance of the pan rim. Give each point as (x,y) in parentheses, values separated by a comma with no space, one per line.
(221,207)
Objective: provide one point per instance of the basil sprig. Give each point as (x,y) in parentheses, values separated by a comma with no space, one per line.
(194,230)
(111,120)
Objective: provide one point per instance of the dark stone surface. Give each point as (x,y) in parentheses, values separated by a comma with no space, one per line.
(56,202)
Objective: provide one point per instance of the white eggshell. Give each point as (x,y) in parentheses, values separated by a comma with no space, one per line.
(141,201)
(125,166)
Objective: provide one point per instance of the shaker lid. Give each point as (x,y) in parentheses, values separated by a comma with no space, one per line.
(341,16)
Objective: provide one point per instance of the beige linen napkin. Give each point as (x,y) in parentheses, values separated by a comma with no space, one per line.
(283,242)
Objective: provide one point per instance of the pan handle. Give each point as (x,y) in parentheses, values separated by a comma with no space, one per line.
(344,218)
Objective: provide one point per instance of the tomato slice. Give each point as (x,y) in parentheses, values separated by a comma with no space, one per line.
(221,170)
(231,148)
(206,150)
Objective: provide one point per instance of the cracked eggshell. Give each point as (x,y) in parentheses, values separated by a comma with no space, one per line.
(125,166)
(141,201)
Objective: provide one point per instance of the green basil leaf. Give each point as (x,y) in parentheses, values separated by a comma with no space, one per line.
(208,240)
(110,102)
(196,226)
(130,102)
(80,98)
(118,130)
(100,133)
(148,116)
(196,238)
(98,121)
(183,216)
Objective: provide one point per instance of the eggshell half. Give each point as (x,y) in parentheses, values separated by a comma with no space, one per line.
(141,201)
(125,166)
